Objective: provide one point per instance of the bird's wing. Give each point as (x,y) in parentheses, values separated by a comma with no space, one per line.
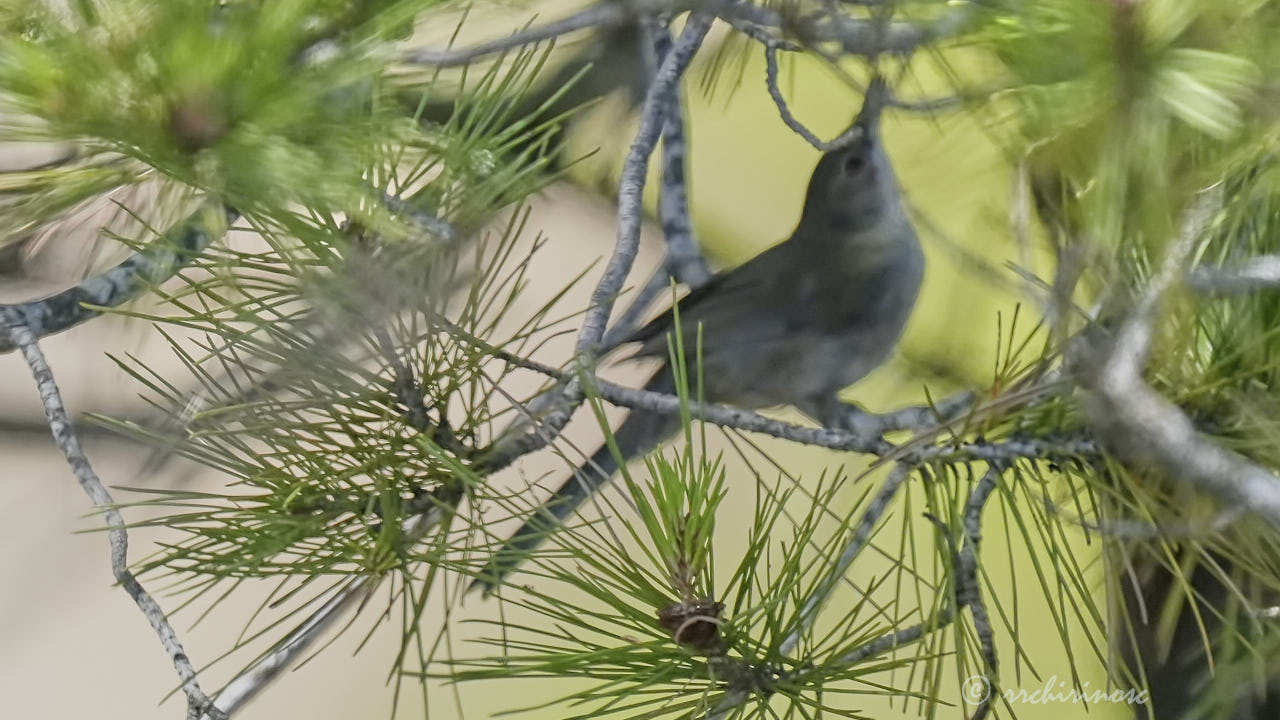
(659,326)
(719,307)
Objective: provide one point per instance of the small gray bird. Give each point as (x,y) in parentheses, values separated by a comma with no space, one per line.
(792,326)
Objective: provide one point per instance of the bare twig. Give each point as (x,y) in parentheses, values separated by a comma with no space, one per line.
(969,590)
(120,284)
(1144,425)
(631,318)
(684,261)
(1259,273)
(855,36)
(771,79)
(1007,451)
(1123,529)
(897,638)
(867,438)
(630,207)
(24,338)
(860,37)
(922,419)
(424,221)
(631,184)
(760,33)
(857,541)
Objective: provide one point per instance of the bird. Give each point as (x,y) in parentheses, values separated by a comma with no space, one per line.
(795,325)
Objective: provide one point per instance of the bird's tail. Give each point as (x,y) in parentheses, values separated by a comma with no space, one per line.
(641,432)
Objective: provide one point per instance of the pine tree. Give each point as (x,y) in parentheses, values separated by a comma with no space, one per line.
(327,221)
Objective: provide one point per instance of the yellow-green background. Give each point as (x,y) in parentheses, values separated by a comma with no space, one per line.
(75,645)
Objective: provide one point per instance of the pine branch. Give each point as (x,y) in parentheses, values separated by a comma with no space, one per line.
(1145,426)
(1257,273)
(120,284)
(24,338)
(630,198)
(1034,422)
(684,262)
(854,36)
(771,79)
(969,590)
(864,435)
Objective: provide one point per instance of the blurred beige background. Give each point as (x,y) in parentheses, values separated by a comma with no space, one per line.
(75,646)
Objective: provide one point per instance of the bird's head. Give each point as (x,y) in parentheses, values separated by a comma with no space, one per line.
(853,187)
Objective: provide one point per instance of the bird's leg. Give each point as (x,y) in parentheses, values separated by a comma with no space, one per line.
(835,413)
(832,412)
(848,416)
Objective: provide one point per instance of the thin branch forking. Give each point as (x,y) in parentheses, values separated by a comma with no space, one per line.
(855,36)
(630,208)
(1146,426)
(631,184)
(684,262)
(771,79)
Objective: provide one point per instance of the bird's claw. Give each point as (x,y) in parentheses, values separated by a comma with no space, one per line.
(853,419)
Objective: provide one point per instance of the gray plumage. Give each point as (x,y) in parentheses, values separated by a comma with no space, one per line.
(794,325)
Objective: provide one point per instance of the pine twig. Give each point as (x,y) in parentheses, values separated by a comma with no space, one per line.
(1144,425)
(684,261)
(23,337)
(969,590)
(116,286)
(1259,273)
(855,36)
(865,438)
(630,208)
(858,540)
(631,318)
(784,110)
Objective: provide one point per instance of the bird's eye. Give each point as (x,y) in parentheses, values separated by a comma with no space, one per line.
(854,163)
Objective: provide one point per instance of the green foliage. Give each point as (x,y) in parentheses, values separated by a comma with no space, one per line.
(1132,105)
(1123,111)
(350,364)
(242,101)
(664,627)
(339,366)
